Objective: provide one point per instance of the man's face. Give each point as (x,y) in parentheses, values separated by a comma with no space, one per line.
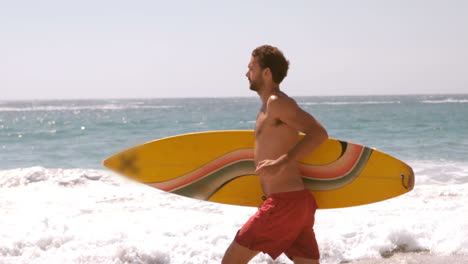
(254,74)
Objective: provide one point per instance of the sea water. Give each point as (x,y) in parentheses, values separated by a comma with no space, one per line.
(59,205)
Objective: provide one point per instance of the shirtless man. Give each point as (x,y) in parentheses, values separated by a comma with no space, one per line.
(284,221)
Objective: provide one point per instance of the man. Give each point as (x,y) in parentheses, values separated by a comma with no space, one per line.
(284,221)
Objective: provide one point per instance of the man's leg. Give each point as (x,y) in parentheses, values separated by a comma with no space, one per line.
(298,260)
(305,249)
(237,254)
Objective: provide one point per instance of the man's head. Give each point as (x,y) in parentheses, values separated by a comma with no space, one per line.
(267,64)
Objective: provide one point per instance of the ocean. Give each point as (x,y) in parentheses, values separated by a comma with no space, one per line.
(58,204)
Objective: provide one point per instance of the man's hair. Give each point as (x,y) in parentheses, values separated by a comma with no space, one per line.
(273,58)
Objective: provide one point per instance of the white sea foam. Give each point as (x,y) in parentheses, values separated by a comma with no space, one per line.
(441,172)
(445,101)
(94,216)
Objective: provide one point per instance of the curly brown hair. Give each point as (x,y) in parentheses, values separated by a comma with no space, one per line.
(271,57)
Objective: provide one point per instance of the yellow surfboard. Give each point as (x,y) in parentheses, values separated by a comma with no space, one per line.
(218,166)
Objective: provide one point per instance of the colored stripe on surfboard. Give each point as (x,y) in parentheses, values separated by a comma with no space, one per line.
(205,181)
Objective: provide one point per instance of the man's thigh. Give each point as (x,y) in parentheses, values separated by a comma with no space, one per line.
(237,254)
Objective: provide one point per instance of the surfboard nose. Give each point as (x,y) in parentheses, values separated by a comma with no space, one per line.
(110,163)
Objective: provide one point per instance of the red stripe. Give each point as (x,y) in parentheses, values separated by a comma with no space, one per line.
(336,169)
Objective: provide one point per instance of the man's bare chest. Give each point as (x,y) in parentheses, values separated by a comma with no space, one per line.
(266,124)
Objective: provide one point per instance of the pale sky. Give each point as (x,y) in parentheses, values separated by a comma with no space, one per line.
(153,49)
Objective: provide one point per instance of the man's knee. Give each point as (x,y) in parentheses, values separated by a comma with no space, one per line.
(297,260)
(237,254)
(227,260)
(231,259)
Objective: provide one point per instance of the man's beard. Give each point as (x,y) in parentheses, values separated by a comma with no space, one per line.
(255,86)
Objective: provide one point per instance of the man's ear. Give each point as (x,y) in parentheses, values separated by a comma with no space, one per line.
(267,73)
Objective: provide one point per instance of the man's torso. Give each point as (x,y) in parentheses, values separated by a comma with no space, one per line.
(273,138)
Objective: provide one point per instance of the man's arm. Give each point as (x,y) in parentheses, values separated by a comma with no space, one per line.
(287,110)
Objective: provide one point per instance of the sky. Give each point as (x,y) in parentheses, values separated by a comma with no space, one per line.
(158,49)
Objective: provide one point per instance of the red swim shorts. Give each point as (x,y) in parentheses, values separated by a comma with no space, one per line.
(283,224)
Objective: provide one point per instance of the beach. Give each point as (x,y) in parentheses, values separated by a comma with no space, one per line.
(59,205)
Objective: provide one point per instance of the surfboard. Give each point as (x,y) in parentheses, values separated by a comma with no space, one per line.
(218,166)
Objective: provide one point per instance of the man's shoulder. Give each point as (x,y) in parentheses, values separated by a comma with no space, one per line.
(280,101)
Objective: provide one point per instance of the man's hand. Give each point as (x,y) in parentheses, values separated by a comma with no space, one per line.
(272,167)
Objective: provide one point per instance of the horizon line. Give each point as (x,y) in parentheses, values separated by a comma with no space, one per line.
(218,97)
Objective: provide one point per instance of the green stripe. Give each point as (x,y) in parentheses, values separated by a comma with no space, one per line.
(204,188)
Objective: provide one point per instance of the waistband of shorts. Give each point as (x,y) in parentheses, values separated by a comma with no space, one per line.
(289,195)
